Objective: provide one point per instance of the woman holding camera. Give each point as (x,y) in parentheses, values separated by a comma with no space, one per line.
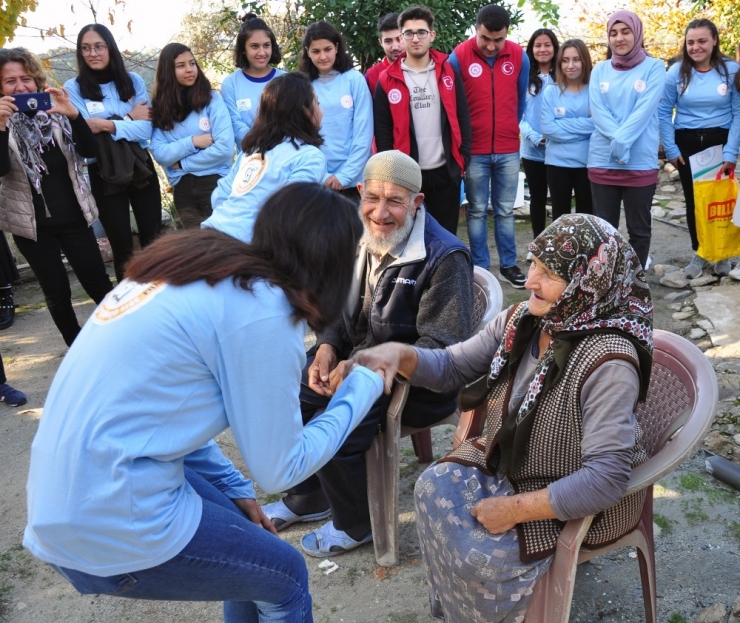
(45,200)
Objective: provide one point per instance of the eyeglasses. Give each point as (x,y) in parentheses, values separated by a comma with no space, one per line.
(410,34)
(98,48)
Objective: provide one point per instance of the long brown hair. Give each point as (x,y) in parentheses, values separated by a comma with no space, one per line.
(86,77)
(586,64)
(170,104)
(305,241)
(716,59)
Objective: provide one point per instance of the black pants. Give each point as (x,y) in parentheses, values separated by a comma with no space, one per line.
(537,181)
(691,142)
(563,182)
(442,197)
(192,195)
(113,211)
(80,247)
(638,201)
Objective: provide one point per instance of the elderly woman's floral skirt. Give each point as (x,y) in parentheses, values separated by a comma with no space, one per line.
(473,575)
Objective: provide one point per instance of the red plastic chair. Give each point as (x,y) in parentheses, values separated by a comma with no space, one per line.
(676,416)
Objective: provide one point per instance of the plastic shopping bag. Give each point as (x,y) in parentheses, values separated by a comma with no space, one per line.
(715,201)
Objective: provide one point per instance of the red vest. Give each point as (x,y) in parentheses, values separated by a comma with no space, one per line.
(372,74)
(399,99)
(494,121)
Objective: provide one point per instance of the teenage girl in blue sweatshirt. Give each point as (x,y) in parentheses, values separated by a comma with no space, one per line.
(256,53)
(192,137)
(707,114)
(102,89)
(567,125)
(282,147)
(624,93)
(345,100)
(541,50)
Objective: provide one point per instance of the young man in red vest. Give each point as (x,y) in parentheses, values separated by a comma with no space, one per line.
(494,72)
(419,108)
(393,45)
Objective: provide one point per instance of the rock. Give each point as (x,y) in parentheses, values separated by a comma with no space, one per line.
(716,442)
(713,614)
(682,315)
(668,188)
(697,334)
(675,306)
(702,288)
(705,324)
(677,296)
(669,168)
(674,279)
(681,327)
(657,197)
(736,439)
(674,175)
(704,280)
(727,281)
(675,204)
(677,214)
(736,610)
(663,269)
(658,212)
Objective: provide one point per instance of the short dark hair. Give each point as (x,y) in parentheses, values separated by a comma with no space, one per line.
(323,30)
(305,241)
(419,11)
(285,111)
(89,85)
(251,24)
(493,17)
(168,102)
(388,22)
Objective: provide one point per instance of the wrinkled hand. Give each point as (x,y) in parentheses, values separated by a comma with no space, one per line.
(254,513)
(728,168)
(322,366)
(98,125)
(203,140)
(141,112)
(384,360)
(62,104)
(675,161)
(333,183)
(495,514)
(338,375)
(7,108)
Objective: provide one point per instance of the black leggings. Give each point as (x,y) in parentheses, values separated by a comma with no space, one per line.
(192,195)
(537,181)
(563,181)
(691,142)
(113,211)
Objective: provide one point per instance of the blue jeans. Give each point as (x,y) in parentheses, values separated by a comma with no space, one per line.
(257,575)
(495,176)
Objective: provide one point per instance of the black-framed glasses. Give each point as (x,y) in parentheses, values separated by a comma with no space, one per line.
(99,48)
(410,34)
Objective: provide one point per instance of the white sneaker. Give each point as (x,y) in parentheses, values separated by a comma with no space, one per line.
(722,269)
(648,263)
(735,272)
(694,267)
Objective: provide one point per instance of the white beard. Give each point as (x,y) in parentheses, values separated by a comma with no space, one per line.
(380,245)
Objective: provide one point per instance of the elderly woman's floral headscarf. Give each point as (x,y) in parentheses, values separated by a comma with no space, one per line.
(606,291)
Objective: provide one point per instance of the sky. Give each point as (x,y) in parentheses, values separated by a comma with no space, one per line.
(154,22)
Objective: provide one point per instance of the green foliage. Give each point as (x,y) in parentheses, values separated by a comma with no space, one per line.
(665,524)
(357,20)
(724,13)
(10,17)
(733,531)
(677,617)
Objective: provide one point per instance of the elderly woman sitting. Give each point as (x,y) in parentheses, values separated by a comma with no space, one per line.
(565,372)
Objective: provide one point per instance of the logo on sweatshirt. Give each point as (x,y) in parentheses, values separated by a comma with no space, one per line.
(204,124)
(560,111)
(346,101)
(475,70)
(722,89)
(406,282)
(126,298)
(394,96)
(251,170)
(604,87)
(640,86)
(507,68)
(448,82)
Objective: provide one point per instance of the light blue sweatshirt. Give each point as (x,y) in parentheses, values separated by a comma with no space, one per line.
(176,145)
(624,109)
(153,377)
(242,95)
(240,195)
(347,125)
(136,131)
(709,101)
(529,126)
(567,125)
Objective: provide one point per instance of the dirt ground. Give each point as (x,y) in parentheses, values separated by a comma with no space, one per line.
(698,550)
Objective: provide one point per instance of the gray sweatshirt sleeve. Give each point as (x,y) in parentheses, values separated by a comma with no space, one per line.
(607,403)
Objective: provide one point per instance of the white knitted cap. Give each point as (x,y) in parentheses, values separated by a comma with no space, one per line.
(396,167)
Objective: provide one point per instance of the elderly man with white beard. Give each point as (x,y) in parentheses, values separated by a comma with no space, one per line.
(413,283)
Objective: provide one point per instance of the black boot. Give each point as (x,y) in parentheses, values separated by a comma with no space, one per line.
(7,307)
